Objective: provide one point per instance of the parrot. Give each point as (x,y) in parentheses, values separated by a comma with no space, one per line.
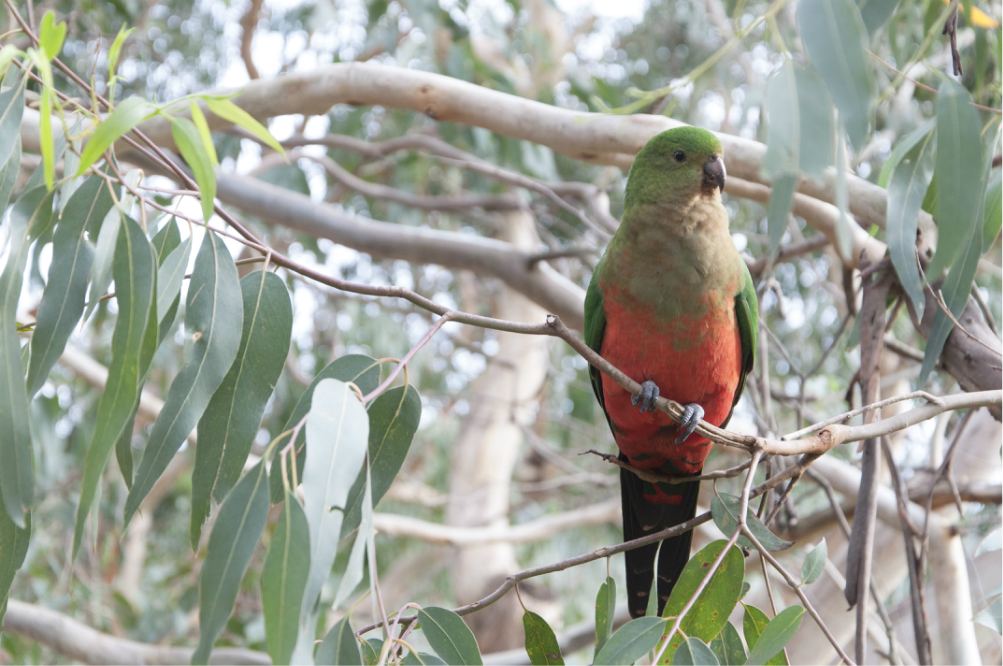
(673,305)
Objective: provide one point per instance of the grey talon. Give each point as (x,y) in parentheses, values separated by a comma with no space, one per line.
(646,396)
(692,414)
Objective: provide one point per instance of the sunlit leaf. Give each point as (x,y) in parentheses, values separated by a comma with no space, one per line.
(632,641)
(711,610)
(51,35)
(393,420)
(129,113)
(63,299)
(775,636)
(339,648)
(724,508)
(727,646)
(186,136)
(234,536)
(116,48)
(227,110)
(541,643)
(45,136)
(233,416)
(212,323)
(30,216)
(605,609)
(198,118)
(449,636)
(135,273)
(694,652)
(283,580)
(814,564)
(833,33)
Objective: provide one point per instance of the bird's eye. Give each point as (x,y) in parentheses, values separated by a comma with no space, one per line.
(679,155)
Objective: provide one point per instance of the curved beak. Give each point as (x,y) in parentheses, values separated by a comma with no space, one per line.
(714,173)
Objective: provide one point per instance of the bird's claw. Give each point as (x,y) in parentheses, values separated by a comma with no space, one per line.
(692,414)
(646,397)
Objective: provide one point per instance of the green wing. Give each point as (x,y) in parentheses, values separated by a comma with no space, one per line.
(747,314)
(595,327)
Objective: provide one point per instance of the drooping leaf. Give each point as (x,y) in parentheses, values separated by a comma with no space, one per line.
(51,35)
(422,659)
(13,548)
(227,110)
(727,646)
(230,422)
(135,275)
(694,652)
(336,433)
(363,371)
(605,609)
(776,635)
(283,580)
(212,315)
(371,651)
(959,175)
(814,564)
(170,276)
(725,508)
(101,265)
(753,623)
(189,142)
(63,299)
(833,33)
(993,542)
(800,128)
(364,541)
(11,111)
(902,147)
(8,174)
(875,13)
(393,420)
(632,641)
(449,636)
(129,113)
(541,643)
(30,216)
(165,240)
(992,616)
(203,127)
(994,212)
(779,208)
(231,543)
(908,186)
(45,136)
(711,610)
(339,648)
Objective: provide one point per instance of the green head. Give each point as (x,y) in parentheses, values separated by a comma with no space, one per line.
(674,166)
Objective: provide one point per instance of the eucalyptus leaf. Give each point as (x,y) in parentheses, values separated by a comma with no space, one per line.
(694,652)
(449,636)
(339,647)
(605,610)
(776,635)
(11,111)
(727,646)
(632,641)
(129,113)
(13,548)
(541,643)
(283,580)
(992,542)
(724,509)
(193,150)
(754,622)
(814,563)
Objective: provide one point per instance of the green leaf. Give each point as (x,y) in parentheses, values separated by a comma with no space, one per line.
(234,536)
(541,643)
(992,616)
(727,646)
(227,110)
(51,35)
(724,508)
(875,13)
(814,563)
(30,216)
(166,240)
(371,651)
(753,624)
(104,253)
(776,635)
(632,641)
(135,273)
(363,371)
(186,136)
(203,127)
(8,174)
(283,580)
(129,113)
(449,636)
(11,110)
(13,547)
(364,541)
(693,652)
(45,136)
(711,610)
(833,33)
(422,659)
(63,299)
(170,276)
(908,186)
(116,48)
(994,212)
(231,421)
(779,208)
(800,129)
(605,609)
(212,311)
(339,648)
(959,175)
(336,433)
(903,147)
(393,420)
(993,542)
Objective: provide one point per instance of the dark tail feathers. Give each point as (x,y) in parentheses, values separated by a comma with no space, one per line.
(641,518)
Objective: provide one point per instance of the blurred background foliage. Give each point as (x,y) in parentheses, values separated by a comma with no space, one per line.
(572,54)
